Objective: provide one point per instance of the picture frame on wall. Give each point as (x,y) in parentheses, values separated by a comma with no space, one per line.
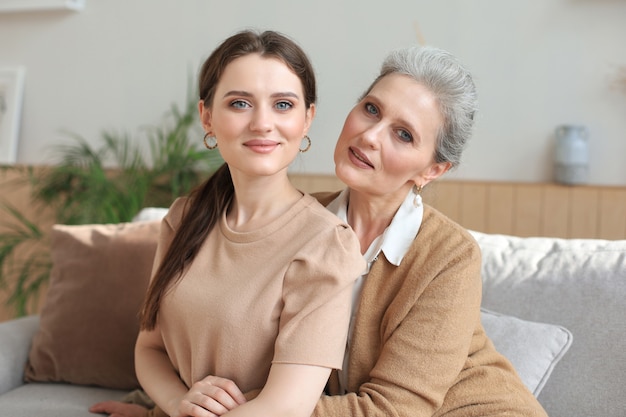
(11,96)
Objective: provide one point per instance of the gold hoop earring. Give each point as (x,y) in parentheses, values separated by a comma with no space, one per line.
(308,144)
(213,140)
(417,199)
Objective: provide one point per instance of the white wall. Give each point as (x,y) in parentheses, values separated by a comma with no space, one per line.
(119,64)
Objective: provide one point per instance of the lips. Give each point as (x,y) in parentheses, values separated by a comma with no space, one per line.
(261,145)
(359,158)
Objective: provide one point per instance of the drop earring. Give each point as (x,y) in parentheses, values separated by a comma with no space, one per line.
(417,199)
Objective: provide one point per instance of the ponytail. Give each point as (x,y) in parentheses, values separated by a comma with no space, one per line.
(202,211)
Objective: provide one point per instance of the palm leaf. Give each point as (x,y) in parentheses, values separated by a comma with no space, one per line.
(108,183)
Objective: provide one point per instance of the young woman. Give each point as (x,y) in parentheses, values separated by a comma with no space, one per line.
(416,345)
(253,278)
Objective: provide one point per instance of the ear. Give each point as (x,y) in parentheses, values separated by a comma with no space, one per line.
(310,115)
(205,116)
(432,173)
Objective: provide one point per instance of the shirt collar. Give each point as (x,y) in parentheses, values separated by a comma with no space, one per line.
(398,236)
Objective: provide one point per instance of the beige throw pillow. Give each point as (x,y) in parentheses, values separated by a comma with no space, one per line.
(89,321)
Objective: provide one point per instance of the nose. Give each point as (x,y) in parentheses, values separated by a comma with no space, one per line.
(261,120)
(372,135)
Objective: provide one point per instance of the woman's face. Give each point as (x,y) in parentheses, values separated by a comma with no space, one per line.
(388,140)
(258,116)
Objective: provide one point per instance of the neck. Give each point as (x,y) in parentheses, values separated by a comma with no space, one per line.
(370,215)
(260,200)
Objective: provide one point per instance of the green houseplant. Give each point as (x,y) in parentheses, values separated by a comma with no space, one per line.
(105,184)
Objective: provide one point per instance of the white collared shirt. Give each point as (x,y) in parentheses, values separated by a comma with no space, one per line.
(394,243)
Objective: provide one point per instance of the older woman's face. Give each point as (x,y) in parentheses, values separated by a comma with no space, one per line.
(388,140)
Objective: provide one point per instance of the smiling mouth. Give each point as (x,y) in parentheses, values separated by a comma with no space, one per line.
(361,158)
(261,146)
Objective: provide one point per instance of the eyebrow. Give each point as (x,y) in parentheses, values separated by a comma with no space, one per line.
(247,94)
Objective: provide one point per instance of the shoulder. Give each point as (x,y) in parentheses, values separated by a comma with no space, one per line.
(319,214)
(326,235)
(441,230)
(325,197)
(176,212)
(442,244)
(444,253)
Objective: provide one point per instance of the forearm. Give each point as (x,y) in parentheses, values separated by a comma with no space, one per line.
(158,377)
(290,391)
(373,399)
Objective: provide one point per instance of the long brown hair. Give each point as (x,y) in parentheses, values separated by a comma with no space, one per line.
(209,200)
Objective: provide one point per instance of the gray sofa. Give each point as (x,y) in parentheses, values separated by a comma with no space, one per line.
(556,308)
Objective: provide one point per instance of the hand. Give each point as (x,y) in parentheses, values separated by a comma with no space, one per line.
(210,397)
(119,409)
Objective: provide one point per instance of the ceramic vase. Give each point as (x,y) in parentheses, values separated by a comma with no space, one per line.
(571,162)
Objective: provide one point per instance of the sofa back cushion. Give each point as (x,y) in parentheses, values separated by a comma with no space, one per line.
(579,284)
(89,321)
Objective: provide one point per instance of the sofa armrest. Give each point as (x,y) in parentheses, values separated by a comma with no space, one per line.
(15,340)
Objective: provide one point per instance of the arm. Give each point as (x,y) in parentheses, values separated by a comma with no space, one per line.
(16,336)
(154,369)
(291,390)
(160,380)
(414,329)
(156,373)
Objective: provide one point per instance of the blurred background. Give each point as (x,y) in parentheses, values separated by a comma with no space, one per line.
(538,64)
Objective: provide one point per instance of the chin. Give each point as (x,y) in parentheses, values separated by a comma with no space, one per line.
(348,176)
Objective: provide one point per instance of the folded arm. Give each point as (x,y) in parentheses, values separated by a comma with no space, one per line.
(291,390)
(157,375)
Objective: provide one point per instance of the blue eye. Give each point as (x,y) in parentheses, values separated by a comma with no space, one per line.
(371,109)
(404,135)
(284,105)
(240,104)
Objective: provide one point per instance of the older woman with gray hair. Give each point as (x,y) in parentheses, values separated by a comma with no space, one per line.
(416,344)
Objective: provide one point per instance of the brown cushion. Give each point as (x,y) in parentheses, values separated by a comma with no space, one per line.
(89,321)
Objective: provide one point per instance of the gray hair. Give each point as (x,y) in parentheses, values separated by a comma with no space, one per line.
(454,90)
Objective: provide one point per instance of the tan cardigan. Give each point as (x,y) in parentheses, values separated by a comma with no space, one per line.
(418,347)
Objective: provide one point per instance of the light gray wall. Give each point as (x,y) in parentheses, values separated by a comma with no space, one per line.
(119,64)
